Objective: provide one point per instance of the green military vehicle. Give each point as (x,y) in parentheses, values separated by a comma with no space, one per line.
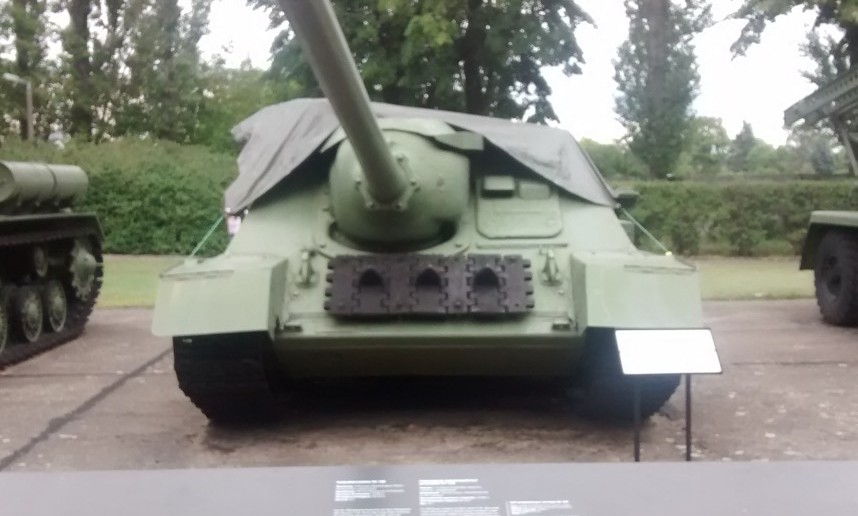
(831,245)
(50,258)
(383,240)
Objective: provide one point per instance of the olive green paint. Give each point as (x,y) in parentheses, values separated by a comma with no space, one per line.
(820,223)
(587,273)
(409,185)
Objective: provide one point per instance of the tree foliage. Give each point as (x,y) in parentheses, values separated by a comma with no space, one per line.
(710,154)
(707,147)
(840,13)
(232,95)
(165,69)
(832,53)
(828,63)
(741,148)
(476,56)
(656,73)
(129,67)
(814,148)
(614,160)
(23,29)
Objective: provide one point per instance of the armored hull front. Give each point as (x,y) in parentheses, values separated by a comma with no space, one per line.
(521,289)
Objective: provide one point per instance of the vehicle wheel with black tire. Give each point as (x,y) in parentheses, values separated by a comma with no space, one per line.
(836,277)
(604,392)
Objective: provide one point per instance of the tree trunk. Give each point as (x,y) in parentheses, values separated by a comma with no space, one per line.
(77,45)
(656,14)
(24,40)
(471,44)
(850,31)
(169,19)
(390,37)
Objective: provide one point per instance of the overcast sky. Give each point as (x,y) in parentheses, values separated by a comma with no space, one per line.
(756,88)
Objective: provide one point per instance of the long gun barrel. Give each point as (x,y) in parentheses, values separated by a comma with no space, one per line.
(324,44)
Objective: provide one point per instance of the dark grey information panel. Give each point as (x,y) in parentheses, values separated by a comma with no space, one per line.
(658,489)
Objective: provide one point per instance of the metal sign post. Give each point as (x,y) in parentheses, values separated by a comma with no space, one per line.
(661,352)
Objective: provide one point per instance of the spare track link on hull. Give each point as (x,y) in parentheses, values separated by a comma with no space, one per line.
(226,376)
(78,313)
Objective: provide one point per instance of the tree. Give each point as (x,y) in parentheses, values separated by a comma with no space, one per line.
(475,56)
(233,96)
(708,146)
(112,22)
(766,160)
(831,53)
(76,43)
(165,85)
(829,63)
(657,76)
(741,147)
(840,13)
(24,23)
(614,160)
(812,150)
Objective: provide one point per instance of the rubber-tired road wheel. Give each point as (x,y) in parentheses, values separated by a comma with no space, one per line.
(604,392)
(28,313)
(836,277)
(55,306)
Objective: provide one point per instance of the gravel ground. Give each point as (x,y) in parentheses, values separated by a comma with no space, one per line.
(110,401)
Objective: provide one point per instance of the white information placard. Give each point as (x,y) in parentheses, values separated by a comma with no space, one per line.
(668,352)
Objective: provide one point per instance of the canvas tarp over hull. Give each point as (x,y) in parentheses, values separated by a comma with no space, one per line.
(278,138)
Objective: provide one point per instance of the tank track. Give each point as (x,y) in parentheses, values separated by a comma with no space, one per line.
(603,392)
(78,312)
(227,376)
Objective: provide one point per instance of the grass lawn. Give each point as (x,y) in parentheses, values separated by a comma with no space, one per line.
(132,280)
(753,278)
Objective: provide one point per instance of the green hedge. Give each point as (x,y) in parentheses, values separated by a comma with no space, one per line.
(161,198)
(151,197)
(743,219)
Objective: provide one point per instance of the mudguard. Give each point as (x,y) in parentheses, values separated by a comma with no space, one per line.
(820,222)
(635,291)
(226,294)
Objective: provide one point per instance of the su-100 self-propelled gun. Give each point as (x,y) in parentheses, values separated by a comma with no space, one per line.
(50,258)
(383,240)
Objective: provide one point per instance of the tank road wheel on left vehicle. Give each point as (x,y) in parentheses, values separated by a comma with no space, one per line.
(83,268)
(55,306)
(40,261)
(28,313)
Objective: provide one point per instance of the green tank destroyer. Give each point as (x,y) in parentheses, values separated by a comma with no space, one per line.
(50,258)
(383,240)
